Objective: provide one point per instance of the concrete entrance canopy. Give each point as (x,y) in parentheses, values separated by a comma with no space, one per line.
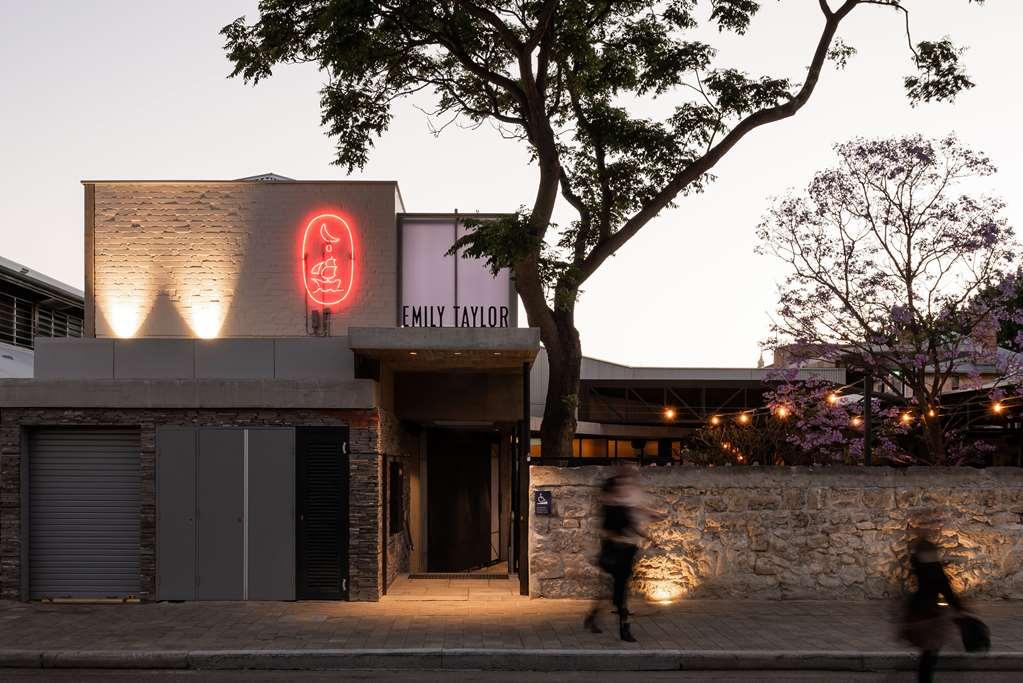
(428,349)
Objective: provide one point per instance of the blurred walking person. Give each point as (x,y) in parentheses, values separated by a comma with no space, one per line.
(927,624)
(624,520)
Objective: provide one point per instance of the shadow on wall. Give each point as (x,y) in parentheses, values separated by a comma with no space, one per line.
(163,318)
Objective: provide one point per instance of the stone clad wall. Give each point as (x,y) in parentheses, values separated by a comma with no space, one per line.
(784,533)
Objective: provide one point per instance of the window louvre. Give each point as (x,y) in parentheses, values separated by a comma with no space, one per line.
(21,321)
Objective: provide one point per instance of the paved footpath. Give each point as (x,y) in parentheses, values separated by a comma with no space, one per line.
(513,633)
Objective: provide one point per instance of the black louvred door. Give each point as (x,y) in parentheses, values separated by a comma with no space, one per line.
(322,519)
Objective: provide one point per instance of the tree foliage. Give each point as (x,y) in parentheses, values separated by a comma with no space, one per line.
(806,422)
(567,79)
(563,74)
(893,269)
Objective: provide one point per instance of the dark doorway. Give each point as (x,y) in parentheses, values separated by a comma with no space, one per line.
(321,535)
(458,500)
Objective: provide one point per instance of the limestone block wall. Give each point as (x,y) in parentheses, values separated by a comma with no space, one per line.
(223,258)
(784,533)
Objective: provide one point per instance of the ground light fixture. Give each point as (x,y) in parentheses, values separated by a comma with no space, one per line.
(664,594)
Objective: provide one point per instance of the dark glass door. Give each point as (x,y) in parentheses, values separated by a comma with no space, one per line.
(458,500)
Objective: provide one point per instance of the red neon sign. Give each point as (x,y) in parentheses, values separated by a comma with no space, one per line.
(328,259)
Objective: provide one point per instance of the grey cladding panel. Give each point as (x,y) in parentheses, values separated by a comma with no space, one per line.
(84,503)
(175,496)
(234,359)
(154,358)
(271,514)
(314,358)
(220,509)
(74,358)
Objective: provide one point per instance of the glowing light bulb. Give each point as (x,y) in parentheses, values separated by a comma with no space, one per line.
(856,421)
(744,418)
(906,418)
(781,412)
(715,420)
(997,407)
(669,413)
(832,398)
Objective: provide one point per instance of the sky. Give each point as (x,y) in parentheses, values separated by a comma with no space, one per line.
(109,89)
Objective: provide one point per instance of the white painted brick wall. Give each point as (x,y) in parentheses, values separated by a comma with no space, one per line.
(167,254)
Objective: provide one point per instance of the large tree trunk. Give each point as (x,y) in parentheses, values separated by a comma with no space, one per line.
(564,355)
(934,441)
(933,434)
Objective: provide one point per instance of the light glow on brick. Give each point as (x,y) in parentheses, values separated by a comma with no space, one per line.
(125,316)
(207,319)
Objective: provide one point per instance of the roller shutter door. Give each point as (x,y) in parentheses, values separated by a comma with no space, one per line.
(84,505)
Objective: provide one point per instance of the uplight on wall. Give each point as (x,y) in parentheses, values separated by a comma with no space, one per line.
(206,319)
(125,316)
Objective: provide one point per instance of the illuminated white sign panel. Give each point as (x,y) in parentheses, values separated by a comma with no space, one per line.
(441,290)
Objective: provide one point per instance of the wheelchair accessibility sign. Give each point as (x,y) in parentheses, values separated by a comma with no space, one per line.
(542,500)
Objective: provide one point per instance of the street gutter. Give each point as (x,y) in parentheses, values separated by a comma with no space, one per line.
(500,660)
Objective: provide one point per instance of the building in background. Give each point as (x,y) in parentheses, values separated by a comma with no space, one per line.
(651,414)
(33,305)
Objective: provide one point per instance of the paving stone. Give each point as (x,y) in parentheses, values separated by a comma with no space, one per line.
(516,623)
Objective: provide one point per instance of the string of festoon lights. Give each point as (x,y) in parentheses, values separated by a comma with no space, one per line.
(906,417)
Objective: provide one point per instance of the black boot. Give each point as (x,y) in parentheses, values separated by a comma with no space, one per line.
(590,622)
(624,629)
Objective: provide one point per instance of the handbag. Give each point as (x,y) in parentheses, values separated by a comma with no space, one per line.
(974,632)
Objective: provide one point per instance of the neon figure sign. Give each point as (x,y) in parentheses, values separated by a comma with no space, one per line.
(328,259)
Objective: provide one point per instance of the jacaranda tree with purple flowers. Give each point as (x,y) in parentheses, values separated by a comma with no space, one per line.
(806,422)
(887,261)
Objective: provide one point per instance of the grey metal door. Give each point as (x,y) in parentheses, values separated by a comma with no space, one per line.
(175,498)
(270,514)
(220,513)
(84,505)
